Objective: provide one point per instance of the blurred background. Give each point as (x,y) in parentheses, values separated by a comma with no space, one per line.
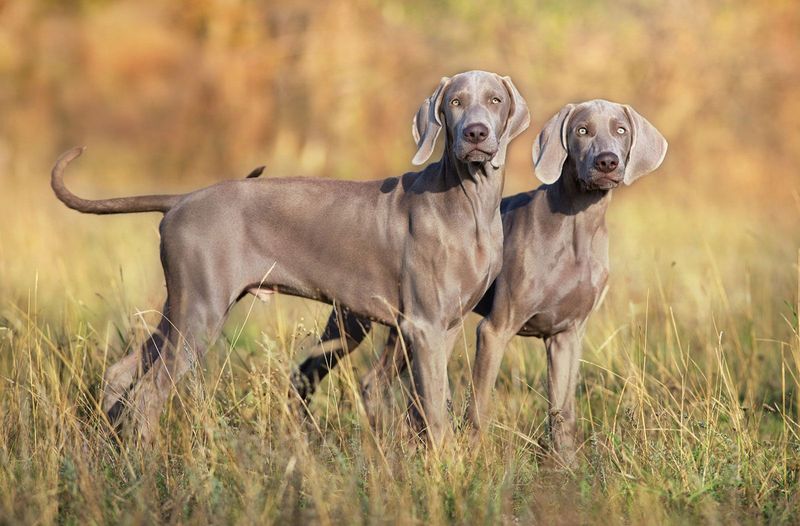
(170,96)
(201,89)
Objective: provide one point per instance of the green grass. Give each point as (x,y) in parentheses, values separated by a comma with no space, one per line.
(688,407)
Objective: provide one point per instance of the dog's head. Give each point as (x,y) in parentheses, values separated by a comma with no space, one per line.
(606,144)
(480,111)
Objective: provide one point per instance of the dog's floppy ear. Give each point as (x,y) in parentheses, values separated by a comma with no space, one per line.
(519,118)
(427,124)
(550,147)
(648,147)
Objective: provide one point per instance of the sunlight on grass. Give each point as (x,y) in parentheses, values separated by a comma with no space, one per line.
(688,398)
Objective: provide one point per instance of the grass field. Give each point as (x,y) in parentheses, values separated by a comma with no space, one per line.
(688,394)
(688,397)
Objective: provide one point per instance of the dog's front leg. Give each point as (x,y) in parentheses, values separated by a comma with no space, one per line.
(563,362)
(429,378)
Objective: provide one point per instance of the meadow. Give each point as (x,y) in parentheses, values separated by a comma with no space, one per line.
(688,397)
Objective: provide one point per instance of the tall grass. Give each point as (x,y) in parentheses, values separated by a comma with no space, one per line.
(688,394)
(688,400)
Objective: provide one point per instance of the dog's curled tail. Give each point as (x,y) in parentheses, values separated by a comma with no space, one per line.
(117,205)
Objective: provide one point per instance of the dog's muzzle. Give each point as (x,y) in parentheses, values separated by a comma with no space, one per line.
(476,155)
(601,181)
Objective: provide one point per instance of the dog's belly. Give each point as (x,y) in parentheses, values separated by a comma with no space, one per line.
(543,325)
(572,303)
(365,303)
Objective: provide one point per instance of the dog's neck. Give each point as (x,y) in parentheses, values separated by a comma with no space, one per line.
(480,182)
(567,197)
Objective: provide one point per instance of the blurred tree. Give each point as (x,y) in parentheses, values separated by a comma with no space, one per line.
(210,88)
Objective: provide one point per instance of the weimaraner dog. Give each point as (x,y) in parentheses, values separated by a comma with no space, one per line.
(555,263)
(417,251)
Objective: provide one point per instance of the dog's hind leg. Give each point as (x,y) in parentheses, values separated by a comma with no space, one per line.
(199,302)
(343,333)
(121,376)
(375,384)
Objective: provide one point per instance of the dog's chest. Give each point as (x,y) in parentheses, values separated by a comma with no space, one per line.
(457,251)
(488,263)
(567,295)
(475,265)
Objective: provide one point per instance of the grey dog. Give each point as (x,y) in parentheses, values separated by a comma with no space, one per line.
(555,263)
(416,251)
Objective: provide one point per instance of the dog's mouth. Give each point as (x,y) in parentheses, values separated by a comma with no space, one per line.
(601,181)
(477,155)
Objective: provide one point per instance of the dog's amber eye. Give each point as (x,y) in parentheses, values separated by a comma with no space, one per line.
(582,130)
(496,100)
(621,130)
(455,102)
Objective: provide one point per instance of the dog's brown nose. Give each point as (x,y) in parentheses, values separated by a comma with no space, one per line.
(606,162)
(476,133)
